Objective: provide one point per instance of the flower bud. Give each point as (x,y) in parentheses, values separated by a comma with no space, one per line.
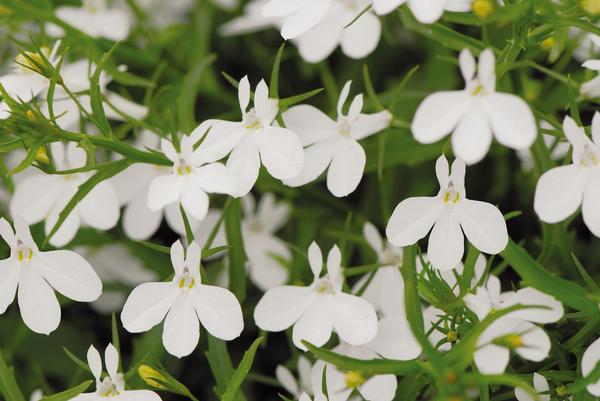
(152,377)
(591,7)
(483,8)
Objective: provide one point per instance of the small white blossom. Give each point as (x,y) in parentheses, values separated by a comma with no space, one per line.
(450,214)
(289,382)
(395,339)
(540,384)
(425,11)
(253,141)
(113,385)
(315,311)
(333,144)
(43,196)
(251,20)
(589,361)
(560,191)
(299,16)
(183,303)
(476,114)
(38,274)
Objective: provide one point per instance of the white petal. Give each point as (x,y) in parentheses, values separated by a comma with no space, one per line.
(244,93)
(287,380)
(486,70)
(100,207)
(315,259)
(281,307)
(395,340)
(177,257)
(69,227)
(491,359)
(304,19)
(70,274)
(591,357)
(559,192)
(164,190)
(120,105)
(317,158)
(472,138)
(484,225)
(354,319)
(379,388)
(368,124)
(530,296)
(9,280)
(219,142)
(318,43)
(391,298)
(346,169)
(137,395)
(35,197)
(537,344)
(412,219)
(261,98)
(219,311)
(343,97)
(147,306)
(264,270)
(362,37)
(439,114)
(596,128)
(446,242)
(244,163)
(382,7)
(427,11)
(111,359)
(511,119)
(194,200)
(7,233)
(309,123)
(315,326)
(466,61)
(38,304)
(442,171)
(373,237)
(591,204)
(113,24)
(94,361)
(181,330)
(139,222)
(272,214)
(280,152)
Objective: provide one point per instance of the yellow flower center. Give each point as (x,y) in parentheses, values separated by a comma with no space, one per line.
(589,157)
(483,8)
(186,281)
(354,379)
(452,336)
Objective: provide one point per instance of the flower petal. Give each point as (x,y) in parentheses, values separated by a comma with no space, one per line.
(147,306)
(591,357)
(473,136)
(439,114)
(219,142)
(354,319)
(346,169)
(491,359)
(163,190)
(412,219)
(304,19)
(35,197)
(244,163)
(315,326)
(309,123)
(219,311)
(265,271)
(317,158)
(427,11)
(38,304)
(100,207)
(9,280)
(511,119)
(280,152)
(559,192)
(362,37)
(181,330)
(379,388)
(194,200)
(446,242)
(139,222)
(484,225)
(281,307)
(395,340)
(591,201)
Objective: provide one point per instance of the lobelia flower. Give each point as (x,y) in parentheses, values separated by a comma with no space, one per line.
(450,214)
(36,395)
(38,274)
(333,144)
(253,140)
(93,18)
(129,271)
(133,184)
(261,244)
(113,385)
(395,339)
(341,385)
(425,11)
(190,180)
(182,304)
(251,20)
(43,196)
(315,311)
(475,113)
(540,384)
(357,40)
(589,361)
(298,16)
(435,320)
(289,382)
(591,88)
(514,331)
(25,81)
(561,190)
(385,291)
(557,148)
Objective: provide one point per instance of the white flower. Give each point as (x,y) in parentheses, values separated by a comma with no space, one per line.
(434,320)
(299,16)
(95,19)
(448,213)
(591,88)
(474,113)
(38,274)
(589,361)
(25,82)
(561,190)
(115,264)
(341,385)
(514,331)
(425,11)
(251,21)
(540,384)
(133,184)
(395,339)
(289,382)
(315,311)
(253,140)
(44,196)
(113,385)
(385,291)
(357,40)
(334,144)
(261,244)
(36,395)
(189,181)
(558,149)
(183,303)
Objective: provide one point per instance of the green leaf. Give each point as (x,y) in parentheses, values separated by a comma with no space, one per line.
(274,82)
(220,365)
(30,158)
(84,189)
(8,384)
(242,371)
(186,223)
(96,99)
(237,255)
(155,247)
(70,393)
(186,102)
(534,275)
(290,101)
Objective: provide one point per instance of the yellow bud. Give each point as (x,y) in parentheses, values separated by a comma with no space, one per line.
(42,156)
(483,8)
(354,379)
(451,377)
(151,375)
(452,336)
(547,44)
(4,11)
(591,6)
(30,115)
(561,391)
(514,340)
